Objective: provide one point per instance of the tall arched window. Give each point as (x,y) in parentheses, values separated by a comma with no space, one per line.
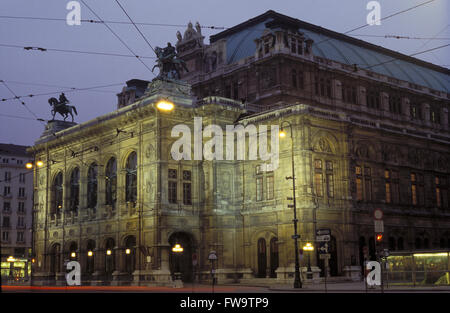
(111,182)
(90,247)
(74,199)
(92,186)
(131,178)
(57,194)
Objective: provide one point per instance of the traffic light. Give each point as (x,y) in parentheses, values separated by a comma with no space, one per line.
(379,238)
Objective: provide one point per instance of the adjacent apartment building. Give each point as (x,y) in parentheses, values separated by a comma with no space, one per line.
(16,202)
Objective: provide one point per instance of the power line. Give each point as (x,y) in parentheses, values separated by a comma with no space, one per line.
(117,36)
(22,102)
(137,28)
(57,86)
(379,20)
(107,21)
(74,51)
(59,91)
(401,37)
(417,53)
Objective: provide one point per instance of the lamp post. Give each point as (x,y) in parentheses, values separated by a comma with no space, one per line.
(309,247)
(297,279)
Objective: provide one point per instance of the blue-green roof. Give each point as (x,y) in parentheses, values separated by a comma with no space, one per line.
(241,44)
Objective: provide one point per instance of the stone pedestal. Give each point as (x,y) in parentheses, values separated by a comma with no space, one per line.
(315,274)
(352,272)
(52,128)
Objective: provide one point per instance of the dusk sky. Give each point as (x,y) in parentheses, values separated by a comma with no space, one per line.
(27,72)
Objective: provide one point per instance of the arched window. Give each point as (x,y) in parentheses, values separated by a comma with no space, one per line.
(57,194)
(92,186)
(131,178)
(111,182)
(55,259)
(74,197)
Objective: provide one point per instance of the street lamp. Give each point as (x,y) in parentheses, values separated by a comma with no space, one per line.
(297,279)
(30,165)
(165,105)
(309,247)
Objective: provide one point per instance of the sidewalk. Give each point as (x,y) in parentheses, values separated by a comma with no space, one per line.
(356,287)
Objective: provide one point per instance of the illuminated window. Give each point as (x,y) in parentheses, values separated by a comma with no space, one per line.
(131,178)
(318,184)
(330,185)
(363,183)
(111,182)
(359,189)
(318,164)
(413,189)
(438,192)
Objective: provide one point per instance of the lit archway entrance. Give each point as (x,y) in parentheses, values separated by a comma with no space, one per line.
(181,261)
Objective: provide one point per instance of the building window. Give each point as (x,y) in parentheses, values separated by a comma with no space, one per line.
(187,188)
(5,236)
(111,182)
(438,191)
(6,191)
(270,187)
(6,207)
(349,94)
(21,192)
(22,178)
(74,197)
(7,177)
(131,178)
(322,86)
(416,112)
(395,104)
(373,99)
(6,222)
(92,184)
(413,189)
(435,116)
(329,178)
(387,184)
(259,188)
(172,187)
(363,183)
(20,221)
(21,207)
(301,80)
(57,193)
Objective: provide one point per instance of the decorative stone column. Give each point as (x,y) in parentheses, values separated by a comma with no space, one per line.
(361,96)
(162,275)
(337,89)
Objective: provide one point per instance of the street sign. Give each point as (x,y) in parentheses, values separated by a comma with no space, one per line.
(324,256)
(323,231)
(323,247)
(378,214)
(379,226)
(323,238)
(212,256)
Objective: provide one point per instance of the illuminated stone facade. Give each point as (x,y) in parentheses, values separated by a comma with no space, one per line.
(361,140)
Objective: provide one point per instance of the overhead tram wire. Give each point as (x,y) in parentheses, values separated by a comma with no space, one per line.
(117,36)
(137,28)
(22,102)
(379,20)
(59,91)
(107,21)
(74,51)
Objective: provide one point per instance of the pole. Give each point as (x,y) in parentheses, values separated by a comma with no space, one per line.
(297,279)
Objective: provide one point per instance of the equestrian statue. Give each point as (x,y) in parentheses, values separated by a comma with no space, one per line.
(168,62)
(62,107)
